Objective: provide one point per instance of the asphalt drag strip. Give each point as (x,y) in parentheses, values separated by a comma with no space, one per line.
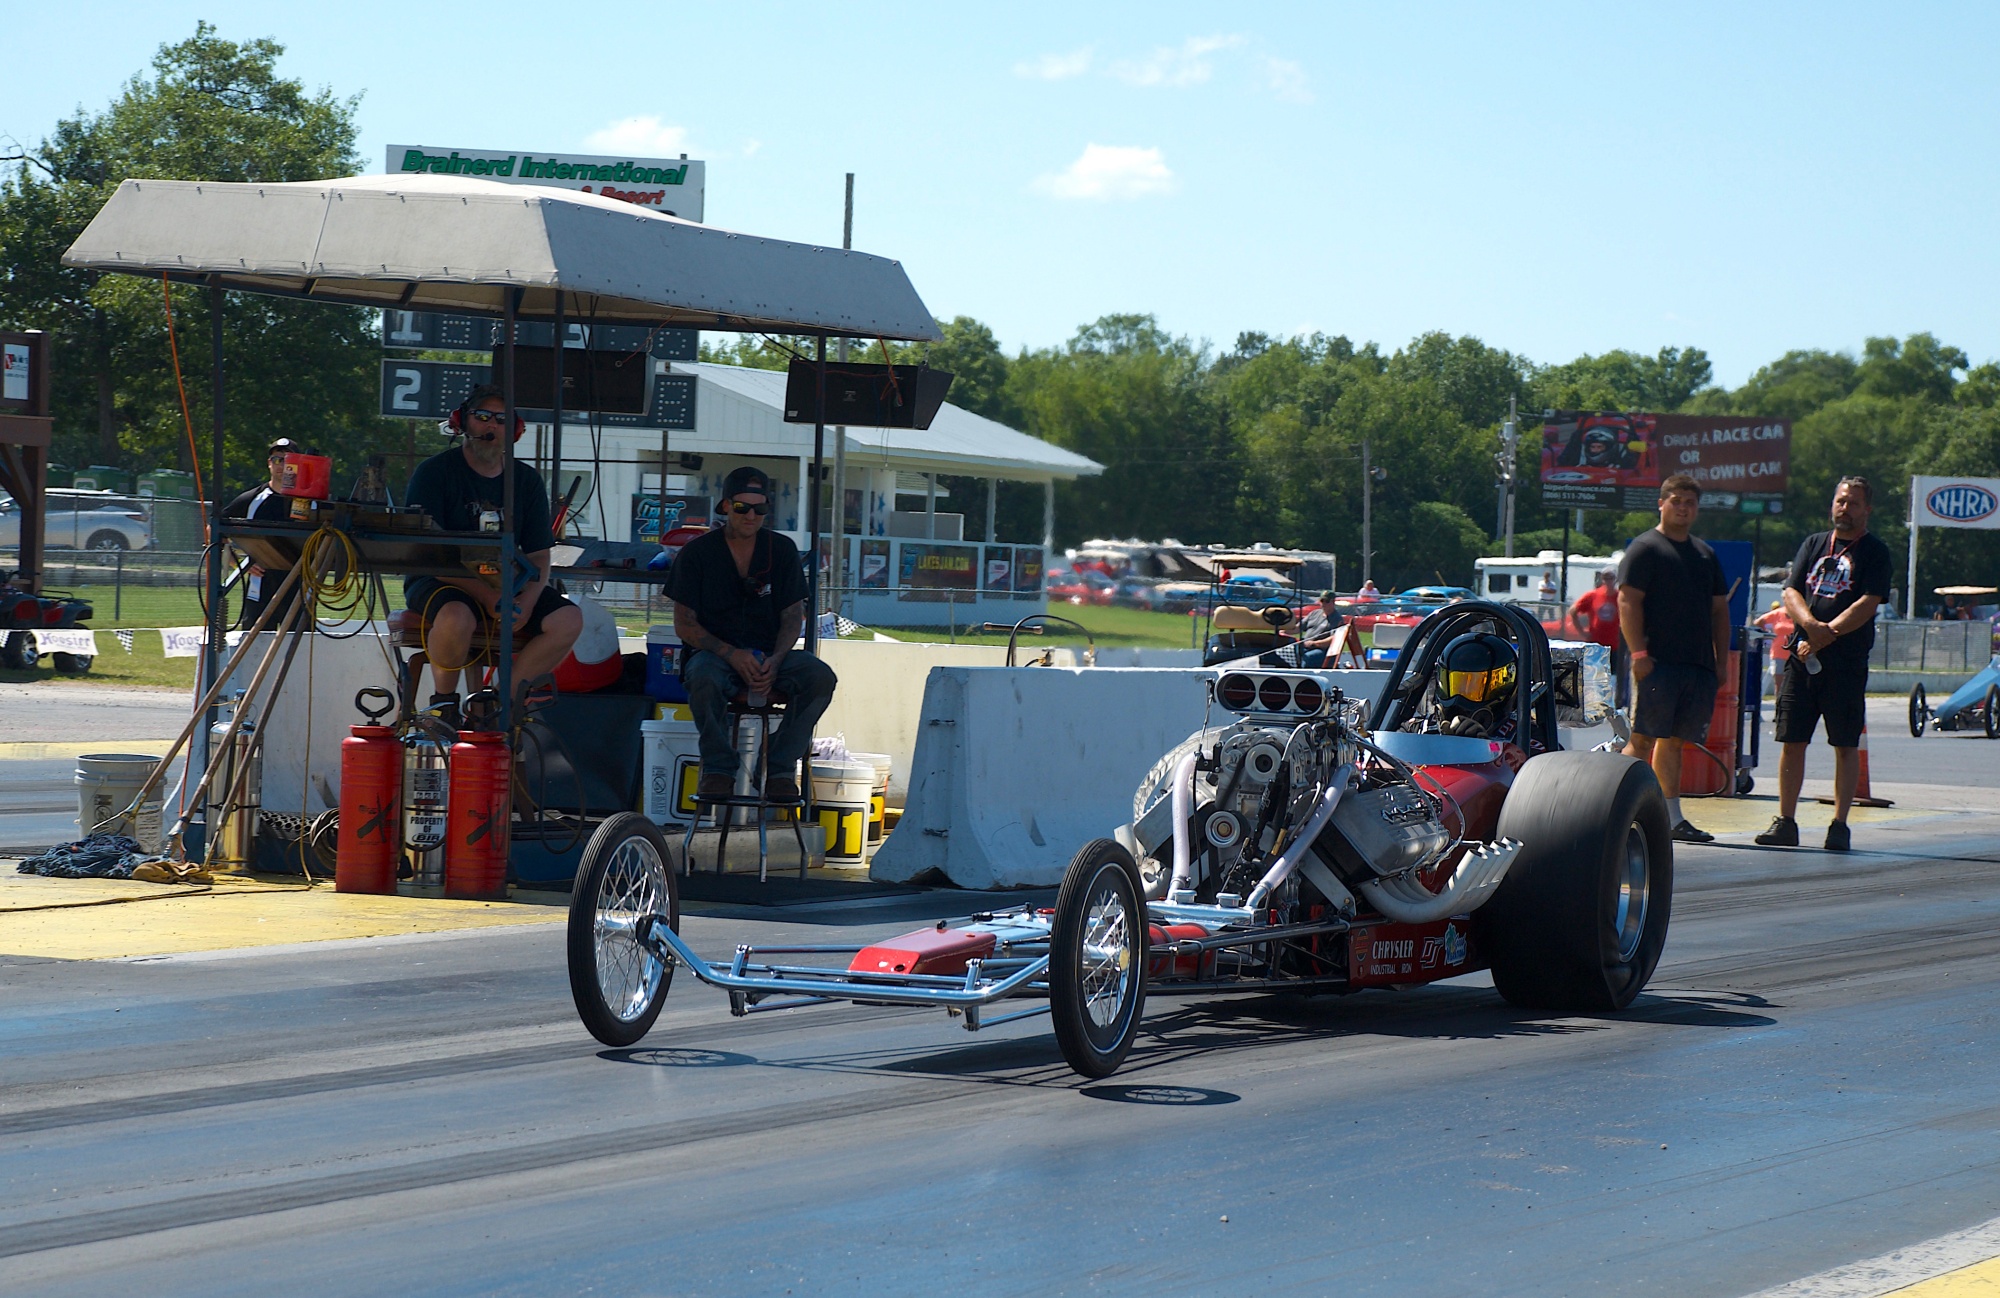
(1807,1085)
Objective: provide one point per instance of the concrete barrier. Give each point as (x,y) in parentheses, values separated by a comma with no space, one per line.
(1016,768)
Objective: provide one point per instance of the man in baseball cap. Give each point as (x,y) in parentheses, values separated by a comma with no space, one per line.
(739,597)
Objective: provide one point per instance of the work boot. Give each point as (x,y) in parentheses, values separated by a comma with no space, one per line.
(1837,837)
(715,786)
(1784,832)
(1685,832)
(445,708)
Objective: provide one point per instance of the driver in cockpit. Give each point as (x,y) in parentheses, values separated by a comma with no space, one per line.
(1473,691)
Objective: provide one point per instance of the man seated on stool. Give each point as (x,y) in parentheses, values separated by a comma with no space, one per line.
(739,596)
(455,487)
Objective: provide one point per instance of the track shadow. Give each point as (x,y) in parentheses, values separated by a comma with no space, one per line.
(1165,1096)
(676,1057)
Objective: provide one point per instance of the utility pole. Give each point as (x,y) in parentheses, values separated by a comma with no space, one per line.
(1507,460)
(839,567)
(1367,515)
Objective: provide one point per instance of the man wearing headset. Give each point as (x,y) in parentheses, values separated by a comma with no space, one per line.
(739,597)
(460,488)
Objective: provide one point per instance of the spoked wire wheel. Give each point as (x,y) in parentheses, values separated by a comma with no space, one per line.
(625,883)
(1097,958)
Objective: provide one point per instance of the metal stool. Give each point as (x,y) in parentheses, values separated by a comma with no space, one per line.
(739,707)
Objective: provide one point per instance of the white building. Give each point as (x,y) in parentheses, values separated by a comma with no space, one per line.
(903,567)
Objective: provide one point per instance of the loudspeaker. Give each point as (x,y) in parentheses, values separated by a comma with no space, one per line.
(613,383)
(866,396)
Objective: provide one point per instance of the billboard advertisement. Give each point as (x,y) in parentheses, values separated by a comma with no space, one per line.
(1955,502)
(931,568)
(671,185)
(1616,460)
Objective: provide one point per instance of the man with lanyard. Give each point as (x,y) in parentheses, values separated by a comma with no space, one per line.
(460,488)
(1594,616)
(1674,612)
(1317,628)
(264,505)
(739,596)
(1837,581)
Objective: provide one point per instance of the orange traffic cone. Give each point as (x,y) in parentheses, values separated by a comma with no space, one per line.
(1862,797)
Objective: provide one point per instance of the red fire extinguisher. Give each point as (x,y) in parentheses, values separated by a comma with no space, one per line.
(475,845)
(371,783)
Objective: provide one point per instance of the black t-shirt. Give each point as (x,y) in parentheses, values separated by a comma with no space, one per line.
(705,579)
(262,504)
(1832,574)
(453,494)
(1680,580)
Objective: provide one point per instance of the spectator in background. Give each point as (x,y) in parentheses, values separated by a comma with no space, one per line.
(1317,630)
(1594,617)
(1779,624)
(1368,591)
(1673,609)
(1837,581)
(1547,590)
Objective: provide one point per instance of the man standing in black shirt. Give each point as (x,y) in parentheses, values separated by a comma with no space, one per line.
(1837,581)
(1673,611)
(264,505)
(460,488)
(739,597)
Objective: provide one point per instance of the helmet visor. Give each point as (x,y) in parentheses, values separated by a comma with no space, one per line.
(1478,686)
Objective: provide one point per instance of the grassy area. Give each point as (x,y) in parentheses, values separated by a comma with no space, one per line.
(1109,626)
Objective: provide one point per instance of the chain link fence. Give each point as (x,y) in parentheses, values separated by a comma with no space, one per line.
(1931,646)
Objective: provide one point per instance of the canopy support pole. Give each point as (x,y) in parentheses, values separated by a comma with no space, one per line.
(509,586)
(218,611)
(1910,591)
(812,508)
(556,401)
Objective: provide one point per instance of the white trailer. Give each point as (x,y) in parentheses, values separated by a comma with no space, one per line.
(1521,580)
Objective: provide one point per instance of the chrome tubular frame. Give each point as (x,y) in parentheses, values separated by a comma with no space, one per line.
(815,984)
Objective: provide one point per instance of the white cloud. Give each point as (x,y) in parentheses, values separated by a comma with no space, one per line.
(750,148)
(1107,172)
(1055,67)
(1177,68)
(1286,79)
(643,136)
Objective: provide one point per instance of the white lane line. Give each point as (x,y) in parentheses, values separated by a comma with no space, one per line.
(1898,1270)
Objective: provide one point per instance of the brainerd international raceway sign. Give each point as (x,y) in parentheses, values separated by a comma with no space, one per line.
(1617,460)
(675,186)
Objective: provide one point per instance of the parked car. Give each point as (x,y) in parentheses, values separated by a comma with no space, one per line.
(1082,586)
(1136,592)
(83,520)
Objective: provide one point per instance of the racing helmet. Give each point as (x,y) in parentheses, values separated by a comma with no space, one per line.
(1600,447)
(1477,673)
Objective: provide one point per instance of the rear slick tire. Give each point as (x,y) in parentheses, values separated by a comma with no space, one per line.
(626,875)
(1097,958)
(1579,923)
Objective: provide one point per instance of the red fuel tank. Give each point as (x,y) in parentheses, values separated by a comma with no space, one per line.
(371,784)
(476,835)
(1164,964)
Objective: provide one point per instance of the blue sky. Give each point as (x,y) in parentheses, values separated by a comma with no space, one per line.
(1555,179)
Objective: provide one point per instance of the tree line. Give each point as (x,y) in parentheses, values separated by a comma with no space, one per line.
(1261,442)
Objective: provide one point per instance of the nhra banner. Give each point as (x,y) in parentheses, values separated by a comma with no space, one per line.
(1617,461)
(1955,502)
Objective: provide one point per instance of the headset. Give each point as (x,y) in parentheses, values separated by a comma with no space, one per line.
(457,422)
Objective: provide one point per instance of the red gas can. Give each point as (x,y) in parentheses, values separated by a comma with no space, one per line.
(476,834)
(371,783)
(305,477)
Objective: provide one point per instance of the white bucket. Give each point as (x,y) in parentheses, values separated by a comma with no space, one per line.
(106,783)
(878,798)
(670,771)
(841,793)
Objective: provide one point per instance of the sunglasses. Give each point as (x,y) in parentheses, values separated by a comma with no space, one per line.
(745,507)
(489,416)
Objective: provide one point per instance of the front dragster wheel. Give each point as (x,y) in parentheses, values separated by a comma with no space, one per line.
(626,877)
(1579,923)
(1097,958)
(1992,710)
(1920,712)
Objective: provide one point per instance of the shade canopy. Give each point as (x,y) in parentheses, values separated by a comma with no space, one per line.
(455,244)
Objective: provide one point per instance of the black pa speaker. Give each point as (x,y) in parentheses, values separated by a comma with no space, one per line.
(866,396)
(613,383)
